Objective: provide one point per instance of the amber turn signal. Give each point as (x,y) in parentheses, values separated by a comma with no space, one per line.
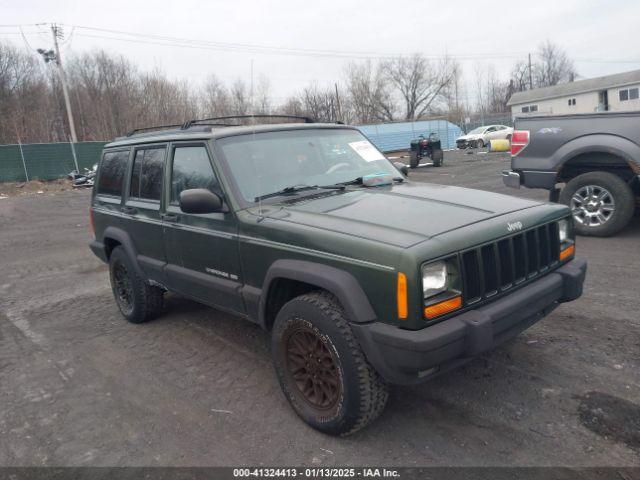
(567,252)
(403,309)
(440,308)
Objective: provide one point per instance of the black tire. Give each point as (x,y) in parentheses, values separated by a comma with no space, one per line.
(351,393)
(413,159)
(438,158)
(479,143)
(138,302)
(619,193)
(509,138)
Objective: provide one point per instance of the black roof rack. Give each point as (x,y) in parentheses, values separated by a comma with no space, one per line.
(239,117)
(148,129)
(215,122)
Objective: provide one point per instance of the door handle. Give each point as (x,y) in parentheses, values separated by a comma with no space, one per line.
(130,210)
(170,217)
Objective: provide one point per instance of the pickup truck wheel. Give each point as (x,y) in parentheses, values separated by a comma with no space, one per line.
(321,367)
(601,203)
(138,302)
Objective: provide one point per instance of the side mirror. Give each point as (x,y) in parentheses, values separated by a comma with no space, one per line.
(402,167)
(200,200)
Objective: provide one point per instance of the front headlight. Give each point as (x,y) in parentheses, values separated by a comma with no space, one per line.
(565,237)
(441,287)
(434,278)
(564,232)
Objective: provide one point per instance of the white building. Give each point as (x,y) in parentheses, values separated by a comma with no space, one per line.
(616,93)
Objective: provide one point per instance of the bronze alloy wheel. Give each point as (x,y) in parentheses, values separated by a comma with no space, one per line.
(312,369)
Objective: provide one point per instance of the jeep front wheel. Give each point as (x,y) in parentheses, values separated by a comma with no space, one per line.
(601,203)
(321,368)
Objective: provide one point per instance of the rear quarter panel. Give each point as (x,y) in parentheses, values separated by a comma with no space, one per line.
(555,139)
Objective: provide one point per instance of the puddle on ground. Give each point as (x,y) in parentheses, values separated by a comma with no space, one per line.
(611,417)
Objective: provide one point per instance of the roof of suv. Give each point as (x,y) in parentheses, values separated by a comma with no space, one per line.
(214,131)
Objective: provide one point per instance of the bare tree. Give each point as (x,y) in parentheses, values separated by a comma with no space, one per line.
(553,66)
(240,101)
(520,77)
(369,93)
(262,97)
(419,82)
(24,100)
(215,100)
(318,103)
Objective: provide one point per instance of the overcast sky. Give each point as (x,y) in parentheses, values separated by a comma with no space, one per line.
(601,36)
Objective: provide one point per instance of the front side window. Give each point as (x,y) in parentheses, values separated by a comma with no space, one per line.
(111,175)
(268,162)
(191,169)
(624,95)
(525,109)
(146,176)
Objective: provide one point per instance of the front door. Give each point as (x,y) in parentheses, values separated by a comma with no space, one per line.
(201,249)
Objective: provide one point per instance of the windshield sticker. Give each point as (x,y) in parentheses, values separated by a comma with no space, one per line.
(366,151)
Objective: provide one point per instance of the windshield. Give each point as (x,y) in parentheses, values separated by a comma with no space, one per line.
(475,131)
(265,163)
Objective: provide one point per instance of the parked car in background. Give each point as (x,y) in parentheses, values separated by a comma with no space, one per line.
(481,136)
(589,162)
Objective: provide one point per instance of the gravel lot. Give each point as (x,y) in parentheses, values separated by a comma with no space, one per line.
(80,386)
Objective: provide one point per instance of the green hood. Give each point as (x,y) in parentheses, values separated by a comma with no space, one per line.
(400,215)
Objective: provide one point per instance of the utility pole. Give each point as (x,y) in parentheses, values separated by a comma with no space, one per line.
(530,74)
(57,33)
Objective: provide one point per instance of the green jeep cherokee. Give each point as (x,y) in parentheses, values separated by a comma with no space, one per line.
(362,277)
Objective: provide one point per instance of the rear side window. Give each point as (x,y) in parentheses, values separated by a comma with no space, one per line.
(146,176)
(191,169)
(112,170)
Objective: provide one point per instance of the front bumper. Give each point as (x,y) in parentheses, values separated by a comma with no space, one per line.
(409,357)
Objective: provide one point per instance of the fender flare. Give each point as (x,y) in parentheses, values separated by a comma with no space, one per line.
(124,239)
(598,143)
(339,282)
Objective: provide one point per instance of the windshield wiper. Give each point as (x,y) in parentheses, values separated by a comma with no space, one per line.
(359,181)
(296,189)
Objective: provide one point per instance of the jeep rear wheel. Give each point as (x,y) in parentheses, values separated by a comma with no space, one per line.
(601,203)
(138,302)
(321,368)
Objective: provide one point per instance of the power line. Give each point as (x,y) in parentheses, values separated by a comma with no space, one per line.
(254,48)
(25,40)
(179,42)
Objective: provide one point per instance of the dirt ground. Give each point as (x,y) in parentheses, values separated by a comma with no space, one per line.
(34,187)
(80,386)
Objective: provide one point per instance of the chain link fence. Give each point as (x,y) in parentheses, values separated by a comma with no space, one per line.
(46,161)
